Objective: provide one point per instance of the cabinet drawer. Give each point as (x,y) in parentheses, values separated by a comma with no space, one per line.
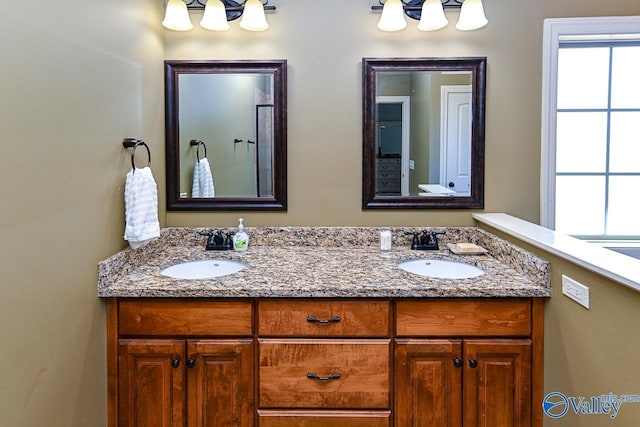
(324,318)
(185,317)
(324,419)
(389,160)
(391,176)
(388,167)
(286,367)
(388,185)
(449,317)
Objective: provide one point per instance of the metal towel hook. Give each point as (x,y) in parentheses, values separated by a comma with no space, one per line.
(135,143)
(199,143)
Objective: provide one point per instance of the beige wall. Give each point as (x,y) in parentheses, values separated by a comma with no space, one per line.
(324,43)
(73,83)
(74,87)
(590,352)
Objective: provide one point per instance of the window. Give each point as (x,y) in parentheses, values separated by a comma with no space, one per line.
(591,127)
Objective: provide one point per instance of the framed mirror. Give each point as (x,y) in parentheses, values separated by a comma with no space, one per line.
(423,133)
(226,135)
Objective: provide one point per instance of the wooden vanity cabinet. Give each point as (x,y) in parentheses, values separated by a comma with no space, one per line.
(467,363)
(323,363)
(170,376)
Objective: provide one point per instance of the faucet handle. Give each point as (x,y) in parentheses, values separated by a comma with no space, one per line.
(433,238)
(414,240)
(228,241)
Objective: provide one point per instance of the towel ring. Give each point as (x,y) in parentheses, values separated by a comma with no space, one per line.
(135,143)
(199,143)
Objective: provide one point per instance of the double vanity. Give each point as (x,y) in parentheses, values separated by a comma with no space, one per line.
(319,327)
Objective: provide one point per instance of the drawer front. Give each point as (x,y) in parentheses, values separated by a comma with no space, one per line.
(324,318)
(390,176)
(387,185)
(324,419)
(388,167)
(185,317)
(449,317)
(288,367)
(388,160)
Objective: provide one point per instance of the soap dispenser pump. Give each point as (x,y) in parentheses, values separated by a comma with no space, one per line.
(241,238)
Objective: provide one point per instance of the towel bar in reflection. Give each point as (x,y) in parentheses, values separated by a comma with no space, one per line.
(199,143)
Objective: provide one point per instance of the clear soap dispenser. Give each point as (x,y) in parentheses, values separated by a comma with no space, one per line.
(241,238)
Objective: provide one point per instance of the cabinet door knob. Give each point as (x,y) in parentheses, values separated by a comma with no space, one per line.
(313,376)
(191,363)
(457,363)
(175,362)
(473,363)
(334,319)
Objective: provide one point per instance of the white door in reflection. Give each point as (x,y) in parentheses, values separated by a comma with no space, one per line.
(455,139)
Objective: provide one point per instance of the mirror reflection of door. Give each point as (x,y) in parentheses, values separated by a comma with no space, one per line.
(393,145)
(455,138)
(423,135)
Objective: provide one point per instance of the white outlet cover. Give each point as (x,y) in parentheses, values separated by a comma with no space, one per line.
(575,290)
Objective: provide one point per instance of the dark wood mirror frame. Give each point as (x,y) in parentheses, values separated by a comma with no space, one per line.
(278,69)
(372,66)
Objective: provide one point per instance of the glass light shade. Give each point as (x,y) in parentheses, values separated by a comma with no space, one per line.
(392,18)
(176,17)
(471,16)
(215,16)
(432,17)
(253,18)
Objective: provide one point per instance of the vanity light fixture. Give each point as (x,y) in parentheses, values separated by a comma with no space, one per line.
(217,14)
(430,13)
(253,18)
(392,18)
(176,17)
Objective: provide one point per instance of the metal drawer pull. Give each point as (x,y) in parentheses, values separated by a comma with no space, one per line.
(334,319)
(313,376)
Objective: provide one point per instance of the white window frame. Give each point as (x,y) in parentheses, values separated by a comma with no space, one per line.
(554,30)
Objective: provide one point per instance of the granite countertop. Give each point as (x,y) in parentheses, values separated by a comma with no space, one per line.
(323,262)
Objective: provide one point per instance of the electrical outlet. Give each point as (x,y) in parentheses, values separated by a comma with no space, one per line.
(412,164)
(575,290)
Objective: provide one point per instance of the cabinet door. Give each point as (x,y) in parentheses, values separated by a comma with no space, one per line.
(497,383)
(428,383)
(220,381)
(151,383)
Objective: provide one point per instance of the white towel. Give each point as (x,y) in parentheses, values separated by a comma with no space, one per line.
(141,207)
(202,179)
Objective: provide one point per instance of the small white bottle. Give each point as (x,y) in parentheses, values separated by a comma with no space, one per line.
(241,238)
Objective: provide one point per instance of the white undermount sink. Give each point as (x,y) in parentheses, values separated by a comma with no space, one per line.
(441,269)
(203,269)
